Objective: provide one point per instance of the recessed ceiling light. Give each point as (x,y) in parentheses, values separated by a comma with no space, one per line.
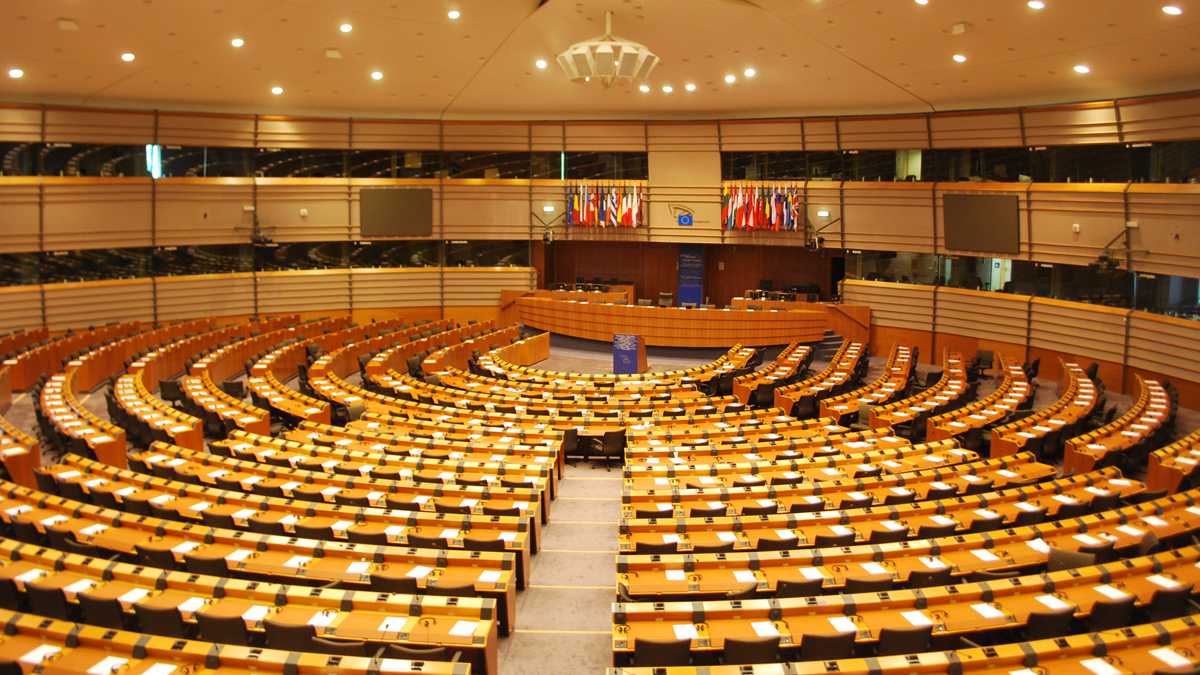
(277,90)
(345,28)
(1082,69)
(644,88)
(541,64)
(454,14)
(1173,10)
(1036,4)
(666,89)
(959,58)
(376,75)
(730,78)
(921,2)
(16,73)
(237,42)
(128,57)
(690,86)
(749,72)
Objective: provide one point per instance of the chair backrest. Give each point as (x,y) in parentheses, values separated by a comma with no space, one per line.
(761,650)
(394,584)
(47,600)
(815,647)
(160,620)
(894,640)
(867,585)
(798,589)
(100,611)
(661,652)
(222,629)
(1044,624)
(289,637)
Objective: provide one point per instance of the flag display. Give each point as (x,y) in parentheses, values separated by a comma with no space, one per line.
(750,208)
(591,205)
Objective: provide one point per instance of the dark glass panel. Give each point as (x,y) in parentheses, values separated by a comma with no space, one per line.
(990,164)
(487,254)
(1108,163)
(79,159)
(213,259)
(488,164)
(302,256)
(276,163)
(607,165)
(394,163)
(18,269)
(19,159)
(870,164)
(394,254)
(96,264)
(203,162)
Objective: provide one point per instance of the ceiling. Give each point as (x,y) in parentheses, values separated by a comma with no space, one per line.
(813,57)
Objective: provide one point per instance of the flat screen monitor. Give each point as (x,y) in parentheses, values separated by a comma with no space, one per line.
(396,212)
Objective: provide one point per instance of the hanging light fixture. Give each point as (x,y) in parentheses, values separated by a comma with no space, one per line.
(607,58)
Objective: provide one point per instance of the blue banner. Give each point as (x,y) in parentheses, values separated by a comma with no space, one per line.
(625,353)
(690,286)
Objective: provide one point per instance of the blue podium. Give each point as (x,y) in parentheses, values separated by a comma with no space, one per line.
(629,354)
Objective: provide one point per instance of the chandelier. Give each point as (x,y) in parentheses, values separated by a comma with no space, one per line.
(607,58)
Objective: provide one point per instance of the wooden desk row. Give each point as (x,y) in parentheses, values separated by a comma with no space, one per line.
(1174,465)
(736,357)
(1078,397)
(51,355)
(455,356)
(722,456)
(898,370)
(951,389)
(396,356)
(1151,412)
(850,359)
(791,363)
(1013,391)
(464,624)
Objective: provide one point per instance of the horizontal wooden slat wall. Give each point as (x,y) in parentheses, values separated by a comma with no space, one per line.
(325,201)
(895,217)
(386,288)
(547,137)
(1165,345)
(1023,216)
(988,316)
(1167,239)
(20,307)
(395,134)
(977,130)
(477,286)
(20,125)
(98,126)
(304,291)
(907,306)
(286,132)
(99,213)
(197,129)
(1076,328)
(1098,209)
(685,175)
(190,211)
(495,210)
(466,136)
(606,137)
(1167,118)
(820,134)
(355,196)
(750,135)
(1072,125)
(97,302)
(202,295)
(19,215)
(879,132)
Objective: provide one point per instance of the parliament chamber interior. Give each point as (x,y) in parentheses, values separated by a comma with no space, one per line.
(742,337)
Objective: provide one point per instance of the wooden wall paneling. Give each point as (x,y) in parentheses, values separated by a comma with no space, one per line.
(18,215)
(889,216)
(97,302)
(1016,189)
(988,319)
(1072,124)
(70,125)
(1167,239)
(883,132)
(825,195)
(883,338)
(20,125)
(541,194)
(1097,208)
(357,184)
(820,134)
(547,136)
(387,288)
(1089,331)
(651,267)
(300,132)
(731,270)
(199,129)
(204,295)
(1166,118)
(1164,344)
(327,201)
(761,135)
(492,209)
(190,211)
(996,129)
(20,307)
(467,287)
(497,136)
(395,134)
(96,213)
(685,176)
(605,136)
(304,291)
(908,306)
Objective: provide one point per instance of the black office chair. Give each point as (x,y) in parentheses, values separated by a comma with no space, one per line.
(772,544)
(1061,559)
(1168,603)
(661,652)
(161,621)
(1111,613)
(826,540)
(761,650)
(222,629)
(48,601)
(817,647)
(926,578)
(904,640)
(1049,623)
(100,611)
(868,584)
(798,589)
(652,548)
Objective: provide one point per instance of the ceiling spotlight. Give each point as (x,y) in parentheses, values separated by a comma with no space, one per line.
(749,72)
(376,75)
(666,89)
(1082,69)
(959,58)
(1036,4)
(644,88)
(921,2)
(454,14)
(277,90)
(128,57)
(690,86)
(541,64)
(730,78)
(237,42)
(345,28)
(1173,10)
(16,73)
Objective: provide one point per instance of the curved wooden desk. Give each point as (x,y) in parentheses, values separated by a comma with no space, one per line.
(672,326)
